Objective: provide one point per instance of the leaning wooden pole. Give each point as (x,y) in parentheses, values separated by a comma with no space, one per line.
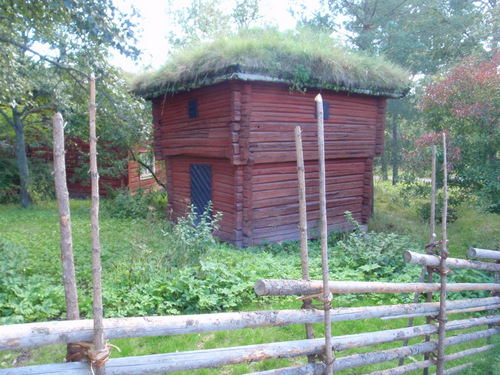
(443,270)
(327,296)
(304,251)
(99,347)
(66,244)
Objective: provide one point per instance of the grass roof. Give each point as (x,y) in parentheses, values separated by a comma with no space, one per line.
(301,59)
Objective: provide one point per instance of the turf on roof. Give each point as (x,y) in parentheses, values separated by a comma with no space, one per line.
(301,59)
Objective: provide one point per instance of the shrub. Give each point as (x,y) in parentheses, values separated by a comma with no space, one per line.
(372,256)
(123,204)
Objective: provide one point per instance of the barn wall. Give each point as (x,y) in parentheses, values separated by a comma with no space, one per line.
(353,136)
(350,132)
(276,205)
(208,135)
(77,153)
(223,191)
(246,131)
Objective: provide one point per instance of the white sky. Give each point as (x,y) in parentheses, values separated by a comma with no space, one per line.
(155,25)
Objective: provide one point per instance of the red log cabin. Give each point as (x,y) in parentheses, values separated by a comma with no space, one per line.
(229,139)
(133,177)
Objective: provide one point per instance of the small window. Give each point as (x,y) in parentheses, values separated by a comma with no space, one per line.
(148,159)
(193,108)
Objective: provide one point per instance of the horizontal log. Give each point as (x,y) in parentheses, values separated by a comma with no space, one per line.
(458,369)
(448,311)
(483,254)
(278,287)
(185,361)
(429,363)
(434,261)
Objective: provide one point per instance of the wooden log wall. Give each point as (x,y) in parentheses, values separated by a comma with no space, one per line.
(223,190)
(207,135)
(76,156)
(251,126)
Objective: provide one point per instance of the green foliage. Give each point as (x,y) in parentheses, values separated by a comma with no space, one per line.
(192,236)
(9,178)
(123,204)
(35,83)
(26,296)
(372,256)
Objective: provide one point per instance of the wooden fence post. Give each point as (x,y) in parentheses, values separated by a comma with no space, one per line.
(443,271)
(100,354)
(66,243)
(304,251)
(327,296)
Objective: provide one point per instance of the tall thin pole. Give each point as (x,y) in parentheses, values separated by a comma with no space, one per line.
(304,251)
(99,346)
(429,249)
(443,271)
(324,231)
(66,244)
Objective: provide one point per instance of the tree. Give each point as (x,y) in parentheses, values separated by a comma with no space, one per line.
(464,102)
(205,20)
(48,49)
(423,36)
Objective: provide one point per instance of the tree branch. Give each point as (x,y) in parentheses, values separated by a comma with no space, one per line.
(7,118)
(24,47)
(141,163)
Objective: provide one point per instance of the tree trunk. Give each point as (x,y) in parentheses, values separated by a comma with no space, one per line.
(395,153)
(22,159)
(383,164)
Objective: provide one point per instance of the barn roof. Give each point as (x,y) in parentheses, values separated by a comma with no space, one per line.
(301,59)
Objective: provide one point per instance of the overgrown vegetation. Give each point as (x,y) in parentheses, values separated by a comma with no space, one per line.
(144,274)
(301,58)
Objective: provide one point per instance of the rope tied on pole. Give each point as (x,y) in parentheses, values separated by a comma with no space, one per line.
(85,351)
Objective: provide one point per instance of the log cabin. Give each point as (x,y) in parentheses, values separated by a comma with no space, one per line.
(224,125)
(131,176)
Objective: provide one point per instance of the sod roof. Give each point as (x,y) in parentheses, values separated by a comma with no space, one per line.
(301,59)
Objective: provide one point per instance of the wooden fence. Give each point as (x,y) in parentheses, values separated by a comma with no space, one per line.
(23,336)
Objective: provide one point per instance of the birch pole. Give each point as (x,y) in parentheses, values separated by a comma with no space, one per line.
(99,346)
(304,251)
(443,270)
(66,244)
(324,231)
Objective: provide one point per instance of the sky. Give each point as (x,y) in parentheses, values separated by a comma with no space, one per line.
(155,26)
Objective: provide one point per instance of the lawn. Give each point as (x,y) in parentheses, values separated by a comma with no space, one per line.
(143,275)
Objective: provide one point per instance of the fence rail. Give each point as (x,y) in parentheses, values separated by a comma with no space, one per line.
(30,335)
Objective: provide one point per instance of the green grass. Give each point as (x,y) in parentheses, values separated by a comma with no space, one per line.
(303,59)
(131,250)
(472,228)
